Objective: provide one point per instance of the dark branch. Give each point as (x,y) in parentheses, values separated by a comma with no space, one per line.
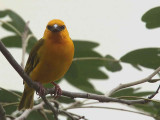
(155,93)
(100,98)
(2,113)
(17,67)
(21,72)
(54,110)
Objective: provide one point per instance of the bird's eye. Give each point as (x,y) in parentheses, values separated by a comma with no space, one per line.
(49,27)
(62,27)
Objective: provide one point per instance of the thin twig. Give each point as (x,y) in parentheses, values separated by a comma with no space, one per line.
(41,111)
(114,109)
(147,79)
(54,110)
(8,104)
(78,116)
(153,80)
(12,27)
(77,103)
(95,58)
(146,100)
(100,98)
(67,114)
(2,113)
(24,115)
(151,96)
(24,43)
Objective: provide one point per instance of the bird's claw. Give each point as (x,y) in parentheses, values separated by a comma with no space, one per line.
(57,92)
(41,91)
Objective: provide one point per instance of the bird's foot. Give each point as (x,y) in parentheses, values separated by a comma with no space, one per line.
(58,91)
(41,91)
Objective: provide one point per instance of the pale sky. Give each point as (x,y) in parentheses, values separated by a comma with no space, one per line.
(115,24)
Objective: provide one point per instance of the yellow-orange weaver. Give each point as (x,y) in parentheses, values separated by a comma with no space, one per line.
(49,59)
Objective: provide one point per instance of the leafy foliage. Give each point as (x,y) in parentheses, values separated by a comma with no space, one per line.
(152,18)
(77,75)
(36,115)
(146,57)
(9,97)
(86,64)
(131,92)
(112,64)
(151,108)
(16,26)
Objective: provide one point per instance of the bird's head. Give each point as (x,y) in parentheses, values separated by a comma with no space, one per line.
(55,29)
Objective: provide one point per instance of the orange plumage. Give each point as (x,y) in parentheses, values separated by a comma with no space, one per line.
(49,59)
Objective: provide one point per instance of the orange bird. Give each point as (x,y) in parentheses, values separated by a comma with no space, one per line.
(49,60)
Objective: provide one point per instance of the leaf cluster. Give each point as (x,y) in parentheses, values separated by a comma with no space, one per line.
(86,64)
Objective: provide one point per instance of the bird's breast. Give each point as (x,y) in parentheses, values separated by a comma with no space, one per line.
(55,60)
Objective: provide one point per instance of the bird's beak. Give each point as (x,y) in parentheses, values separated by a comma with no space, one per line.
(55,28)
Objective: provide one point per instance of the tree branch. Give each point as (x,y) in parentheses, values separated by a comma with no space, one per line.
(95,58)
(2,113)
(54,110)
(147,79)
(20,71)
(100,98)
(67,114)
(27,112)
(40,106)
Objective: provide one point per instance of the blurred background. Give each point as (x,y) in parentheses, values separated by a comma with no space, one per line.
(115,24)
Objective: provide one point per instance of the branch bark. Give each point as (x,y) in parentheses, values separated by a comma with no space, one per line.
(2,113)
(21,72)
(100,98)
(147,79)
(27,112)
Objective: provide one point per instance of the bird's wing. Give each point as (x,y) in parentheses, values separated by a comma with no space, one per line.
(33,57)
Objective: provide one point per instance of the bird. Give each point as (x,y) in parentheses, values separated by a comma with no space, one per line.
(49,60)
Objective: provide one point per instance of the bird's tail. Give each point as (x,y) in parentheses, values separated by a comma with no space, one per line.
(26,101)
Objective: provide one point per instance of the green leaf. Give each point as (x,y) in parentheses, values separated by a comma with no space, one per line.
(34,115)
(85,49)
(82,70)
(146,57)
(152,18)
(12,41)
(16,41)
(112,64)
(86,65)
(8,97)
(131,92)
(63,99)
(150,107)
(16,21)
(31,42)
